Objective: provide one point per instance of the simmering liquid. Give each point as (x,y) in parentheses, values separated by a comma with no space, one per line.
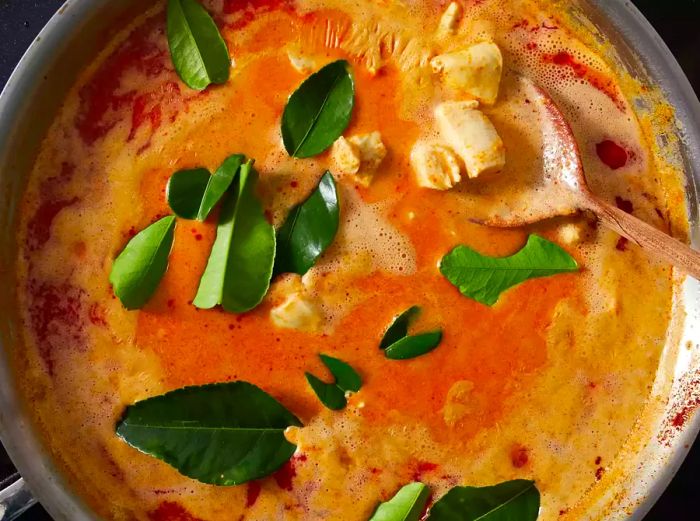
(549,384)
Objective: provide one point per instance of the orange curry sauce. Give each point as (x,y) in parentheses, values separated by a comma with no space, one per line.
(537,380)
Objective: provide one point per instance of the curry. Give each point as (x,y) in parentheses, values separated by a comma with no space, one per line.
(547,384)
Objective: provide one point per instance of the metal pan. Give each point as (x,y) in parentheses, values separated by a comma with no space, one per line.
(32,97)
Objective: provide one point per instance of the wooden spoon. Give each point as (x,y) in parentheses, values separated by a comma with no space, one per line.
(566,182)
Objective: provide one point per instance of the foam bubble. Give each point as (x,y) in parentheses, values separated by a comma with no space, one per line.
(367,242)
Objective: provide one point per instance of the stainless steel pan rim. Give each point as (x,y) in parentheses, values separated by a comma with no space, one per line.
(16,101)
(19,97)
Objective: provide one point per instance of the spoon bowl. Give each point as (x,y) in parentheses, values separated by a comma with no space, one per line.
(567,192)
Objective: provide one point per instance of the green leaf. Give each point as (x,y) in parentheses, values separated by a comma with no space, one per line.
(239,269)
(485,278)
(413,346)
(407,505)
(140,266)
(309,229)
(345,376)
(346,380)
(330,395)
(192,194)
(399,345)
(185,190)
(197,49)
(511,501)
(220,434)
(399,328)
(218,184)
(319,111)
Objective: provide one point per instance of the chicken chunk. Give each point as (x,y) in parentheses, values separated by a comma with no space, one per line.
(346,156)
(300,62)
(297,312)
(435,166)
(475,71)
(472,136)
(359,156)
(372,150)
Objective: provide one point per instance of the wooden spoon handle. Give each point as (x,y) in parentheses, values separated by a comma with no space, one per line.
(649,238)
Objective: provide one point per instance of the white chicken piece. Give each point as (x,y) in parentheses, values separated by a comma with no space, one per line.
(372,150)
(435,166)
(475,71)
(297,312)
(359,156)
(472,136)
(346,156)
(301,63)
(449,20)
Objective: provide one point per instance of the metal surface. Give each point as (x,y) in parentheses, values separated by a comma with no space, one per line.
(32,96)
(29,101)
(15,498)
(647,54)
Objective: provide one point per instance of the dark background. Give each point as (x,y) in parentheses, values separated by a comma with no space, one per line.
(678,21)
